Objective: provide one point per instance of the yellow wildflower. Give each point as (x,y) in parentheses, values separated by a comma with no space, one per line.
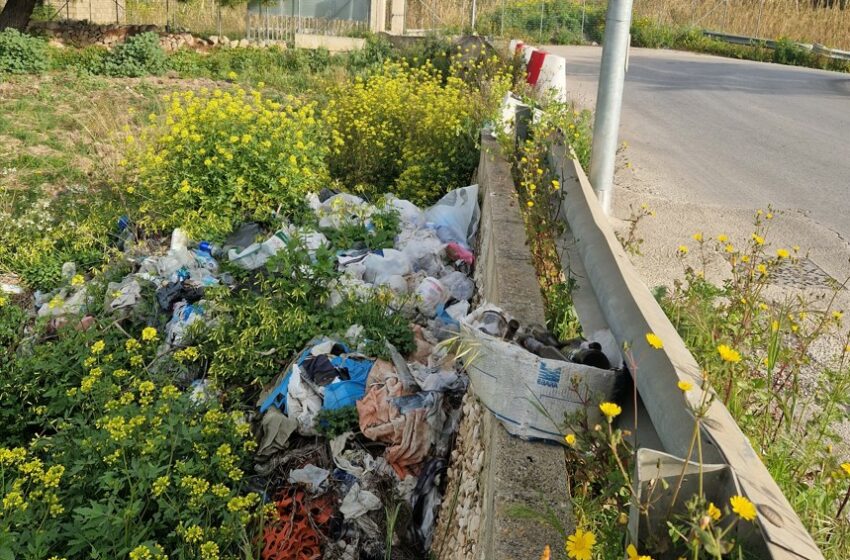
(570,439)
(654,340)
(683,249)
(783,253)
(759,240)
(723,238)
(685,386)
(193,534)
(846,468)
(149,334)
(159,485)
(713,511)
(580,545)
(697,237)
(78,280)
(728,354)
(610,410)
(98,347)
(209,551)
(743,507)
(632,553)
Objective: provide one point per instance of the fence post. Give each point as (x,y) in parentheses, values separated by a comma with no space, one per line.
(474,7)
(502,20)
(542,15)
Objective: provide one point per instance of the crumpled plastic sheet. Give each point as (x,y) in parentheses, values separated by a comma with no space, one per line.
(311,476)
(359,502)
(338,394)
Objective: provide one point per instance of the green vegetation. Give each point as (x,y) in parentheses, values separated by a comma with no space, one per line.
(107,449)
(21,54)
(645,33)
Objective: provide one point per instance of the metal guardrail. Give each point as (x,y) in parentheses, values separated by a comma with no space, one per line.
(630,310)
(816,48)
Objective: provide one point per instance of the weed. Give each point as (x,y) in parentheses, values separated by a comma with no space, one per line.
(21,54)
(631,241)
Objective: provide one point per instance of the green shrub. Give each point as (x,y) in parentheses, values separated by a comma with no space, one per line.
(139,55)
(218,159)
(789,52)
(11,325)
(21,53)
(549,21)
(125,462)
(91,59)
(402,130)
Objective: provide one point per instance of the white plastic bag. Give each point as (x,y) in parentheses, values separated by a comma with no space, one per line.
(408,212)
(423,248)
(302,403)
(460,286)
(455,216)
(431,294)
(379,269)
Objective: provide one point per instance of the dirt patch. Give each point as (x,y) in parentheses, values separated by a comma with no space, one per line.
(9,145)
(40,151)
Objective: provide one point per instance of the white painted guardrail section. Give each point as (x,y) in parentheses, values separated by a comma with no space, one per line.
(630,310)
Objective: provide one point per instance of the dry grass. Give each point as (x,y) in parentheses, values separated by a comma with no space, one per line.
(431,14)
(198,16)
(798,20)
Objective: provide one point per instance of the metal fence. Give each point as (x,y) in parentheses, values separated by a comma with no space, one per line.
(282,20)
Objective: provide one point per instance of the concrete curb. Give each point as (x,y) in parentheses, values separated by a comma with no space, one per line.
(520,482)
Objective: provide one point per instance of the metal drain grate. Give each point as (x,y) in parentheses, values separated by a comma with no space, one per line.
(802,273)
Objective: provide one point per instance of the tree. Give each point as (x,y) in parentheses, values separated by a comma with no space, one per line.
(16,14)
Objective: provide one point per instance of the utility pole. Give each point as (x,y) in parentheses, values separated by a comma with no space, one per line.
(609,100)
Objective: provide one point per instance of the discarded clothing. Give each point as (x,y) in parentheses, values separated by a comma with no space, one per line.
(407,422)
(319,370)
(276,429)
(340,392)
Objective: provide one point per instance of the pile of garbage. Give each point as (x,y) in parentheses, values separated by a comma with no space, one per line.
(355,491)
(352,441)
(353,438)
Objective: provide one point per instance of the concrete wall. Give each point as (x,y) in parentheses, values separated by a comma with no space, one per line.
(331,42)
(497,480)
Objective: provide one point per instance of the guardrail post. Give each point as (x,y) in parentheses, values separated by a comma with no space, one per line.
(609,99)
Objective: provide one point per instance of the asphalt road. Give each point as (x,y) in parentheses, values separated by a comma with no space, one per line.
(738,134)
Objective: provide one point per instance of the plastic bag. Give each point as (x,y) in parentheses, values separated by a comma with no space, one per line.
(456,215)
(408,212)
(302,403)
(257,254)
(184,315)
(423,248)
(432,294)
(460,286)
(379,269)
